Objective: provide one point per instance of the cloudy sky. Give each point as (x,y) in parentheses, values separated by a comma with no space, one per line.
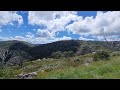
(40,27)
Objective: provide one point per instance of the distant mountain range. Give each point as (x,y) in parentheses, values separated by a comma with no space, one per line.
(45,50)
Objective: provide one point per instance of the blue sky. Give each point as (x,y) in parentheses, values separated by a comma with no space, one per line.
(48,26)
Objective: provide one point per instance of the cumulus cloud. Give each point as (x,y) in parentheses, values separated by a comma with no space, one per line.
(39,40)
(53,21)
(43,33)
(8,17)
(49,40)
(44,17)
(19,38)
(4,38)
(107,23)
(103,24)
(87,39)
(40,17)
(63,38)
(30,35)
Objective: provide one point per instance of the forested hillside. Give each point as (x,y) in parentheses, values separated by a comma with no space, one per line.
(57,49)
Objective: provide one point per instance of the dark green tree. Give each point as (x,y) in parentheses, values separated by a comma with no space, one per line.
(56,55)
(84,50)
(68,54)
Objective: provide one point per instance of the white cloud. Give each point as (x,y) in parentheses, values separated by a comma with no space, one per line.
(44,17)
(40,17)
(35,40)
(53,21)
(31,36)
(43,33)
(109,38)
(106,23)
(62,38)
(81,26)
(103,24)
(83,38)
(19,38)
(4,38)
(56,21)
(49,40)
(8,17)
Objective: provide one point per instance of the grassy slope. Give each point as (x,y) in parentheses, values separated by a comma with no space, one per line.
(68,69)
(96,70)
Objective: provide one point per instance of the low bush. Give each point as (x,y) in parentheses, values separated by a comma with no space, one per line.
(101,55)
(117,53)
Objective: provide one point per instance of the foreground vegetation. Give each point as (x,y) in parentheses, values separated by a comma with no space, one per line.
(109,69)
(69,59)
(78,67)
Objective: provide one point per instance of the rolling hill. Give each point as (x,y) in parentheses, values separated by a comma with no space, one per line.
(45,50)
(81,65)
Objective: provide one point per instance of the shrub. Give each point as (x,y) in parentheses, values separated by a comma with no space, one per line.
(117,53)
(77,60)
(84,50)
(68,54)
(101,55)
(56,55)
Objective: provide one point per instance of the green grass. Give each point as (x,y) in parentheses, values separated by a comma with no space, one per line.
(68,68)
(9,73)
(109,69)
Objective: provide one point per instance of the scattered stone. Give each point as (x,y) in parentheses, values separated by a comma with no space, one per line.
(86,64)
(38,60)
(44,58)
(88,60)
(20,75)
(27,76)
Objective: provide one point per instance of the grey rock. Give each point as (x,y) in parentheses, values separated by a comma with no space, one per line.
(27,76)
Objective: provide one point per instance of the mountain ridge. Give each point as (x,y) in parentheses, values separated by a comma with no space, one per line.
(45,50)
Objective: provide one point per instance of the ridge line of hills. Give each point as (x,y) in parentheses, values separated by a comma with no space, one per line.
(41,51)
